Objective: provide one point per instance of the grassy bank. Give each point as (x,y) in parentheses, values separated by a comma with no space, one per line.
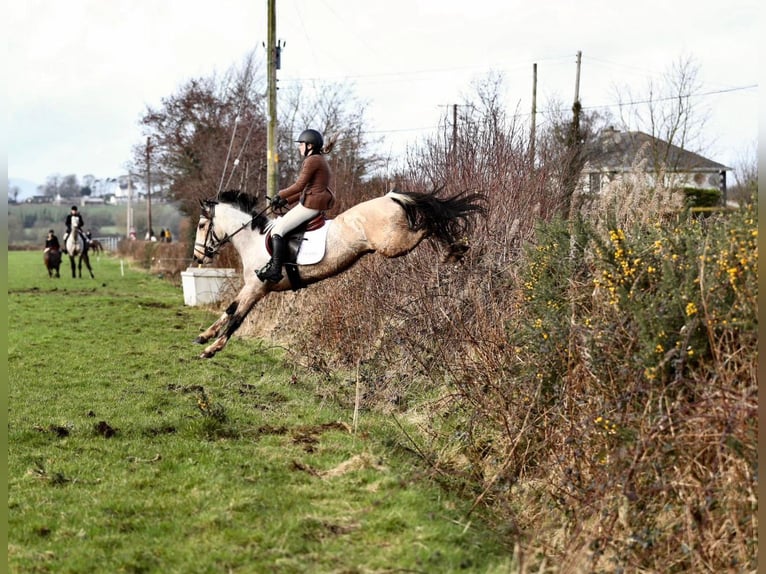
(128,454)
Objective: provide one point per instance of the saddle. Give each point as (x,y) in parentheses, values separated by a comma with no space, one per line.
(300,238)
(296,237)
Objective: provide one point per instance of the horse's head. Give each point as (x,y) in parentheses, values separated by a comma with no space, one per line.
(206,242)
(218,227)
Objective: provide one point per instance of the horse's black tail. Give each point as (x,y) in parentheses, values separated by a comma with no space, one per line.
(447,220)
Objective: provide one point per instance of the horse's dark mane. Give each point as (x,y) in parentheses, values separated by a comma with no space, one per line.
(247,203)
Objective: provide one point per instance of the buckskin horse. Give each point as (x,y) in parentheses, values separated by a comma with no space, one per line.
(392,225)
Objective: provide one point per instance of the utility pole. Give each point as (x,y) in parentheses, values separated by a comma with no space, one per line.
(454,130)
(272,159)
(129,215)
(148,191)
(574,151)
(534,117)
(576,107)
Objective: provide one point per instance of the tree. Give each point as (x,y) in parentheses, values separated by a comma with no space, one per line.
(670,113)
(562,149)
(334,110)
(210,134)
(745,175)
(66,186)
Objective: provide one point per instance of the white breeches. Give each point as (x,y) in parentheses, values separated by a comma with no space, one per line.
(292,219)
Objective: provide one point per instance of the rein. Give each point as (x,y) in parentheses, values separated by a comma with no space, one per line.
(217,243)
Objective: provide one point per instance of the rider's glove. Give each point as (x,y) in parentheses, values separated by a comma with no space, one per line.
(278,201)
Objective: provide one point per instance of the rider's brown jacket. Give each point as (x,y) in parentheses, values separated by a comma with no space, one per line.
(312,188)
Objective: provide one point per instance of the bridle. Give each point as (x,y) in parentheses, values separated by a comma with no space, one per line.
(213,243)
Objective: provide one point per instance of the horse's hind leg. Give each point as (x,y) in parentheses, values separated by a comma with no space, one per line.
(87,264)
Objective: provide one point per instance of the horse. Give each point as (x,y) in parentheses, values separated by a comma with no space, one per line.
(77,245)
(392,225)
(96,246)
(52,260)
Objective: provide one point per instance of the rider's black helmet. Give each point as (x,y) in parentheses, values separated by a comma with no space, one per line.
(74,208)
(312,137)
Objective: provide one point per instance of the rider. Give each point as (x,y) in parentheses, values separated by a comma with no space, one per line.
(306,198)
(73,215)
(51,242)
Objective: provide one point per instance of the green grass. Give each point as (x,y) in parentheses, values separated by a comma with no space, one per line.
(127,453)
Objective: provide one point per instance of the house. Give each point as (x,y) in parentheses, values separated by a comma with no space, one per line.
(613,154)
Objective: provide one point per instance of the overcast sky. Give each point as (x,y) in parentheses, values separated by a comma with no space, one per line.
(81,72)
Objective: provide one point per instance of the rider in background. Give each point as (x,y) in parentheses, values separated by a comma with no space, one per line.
(73,215)
(306,198)
(51,242)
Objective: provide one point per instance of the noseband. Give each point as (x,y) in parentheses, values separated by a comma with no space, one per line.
(213,243)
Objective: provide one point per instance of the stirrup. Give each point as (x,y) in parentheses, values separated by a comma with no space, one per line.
(270,272)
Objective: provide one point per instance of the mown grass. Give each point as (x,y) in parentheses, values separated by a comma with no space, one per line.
(129,454)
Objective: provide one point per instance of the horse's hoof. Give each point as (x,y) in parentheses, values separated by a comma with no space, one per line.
(200,341)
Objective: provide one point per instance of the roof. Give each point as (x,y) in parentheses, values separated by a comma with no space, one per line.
(618,151)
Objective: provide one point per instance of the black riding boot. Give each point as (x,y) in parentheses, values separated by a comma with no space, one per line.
(272,271)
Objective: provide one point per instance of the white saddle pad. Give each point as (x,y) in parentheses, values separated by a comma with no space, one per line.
(313,245)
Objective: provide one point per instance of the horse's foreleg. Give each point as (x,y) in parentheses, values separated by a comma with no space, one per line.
(214,329)
(236,314)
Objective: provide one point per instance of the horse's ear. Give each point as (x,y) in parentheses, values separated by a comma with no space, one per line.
(205,205)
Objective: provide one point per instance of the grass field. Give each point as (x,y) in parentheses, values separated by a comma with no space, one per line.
(127,453)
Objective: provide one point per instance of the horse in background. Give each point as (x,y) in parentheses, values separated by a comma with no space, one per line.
(96,246)
(77,247)
(52,260)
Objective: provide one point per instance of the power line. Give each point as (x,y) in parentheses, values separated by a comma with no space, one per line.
(595,107)
(674,97)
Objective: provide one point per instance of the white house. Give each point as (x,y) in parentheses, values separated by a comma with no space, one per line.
(612,154)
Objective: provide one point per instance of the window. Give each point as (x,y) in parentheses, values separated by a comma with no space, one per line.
(595,182)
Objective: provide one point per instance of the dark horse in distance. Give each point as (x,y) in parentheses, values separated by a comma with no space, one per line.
(52,259)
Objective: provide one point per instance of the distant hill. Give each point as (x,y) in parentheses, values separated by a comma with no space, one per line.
(26,188)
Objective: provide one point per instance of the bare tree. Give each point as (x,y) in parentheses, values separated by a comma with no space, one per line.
(336,112)
(669,112)
(210,134)
(562,150)
(745,174)
(65,186)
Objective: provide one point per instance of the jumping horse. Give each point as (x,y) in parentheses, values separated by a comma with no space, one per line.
(77,246)
(52,260)
(392,225)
